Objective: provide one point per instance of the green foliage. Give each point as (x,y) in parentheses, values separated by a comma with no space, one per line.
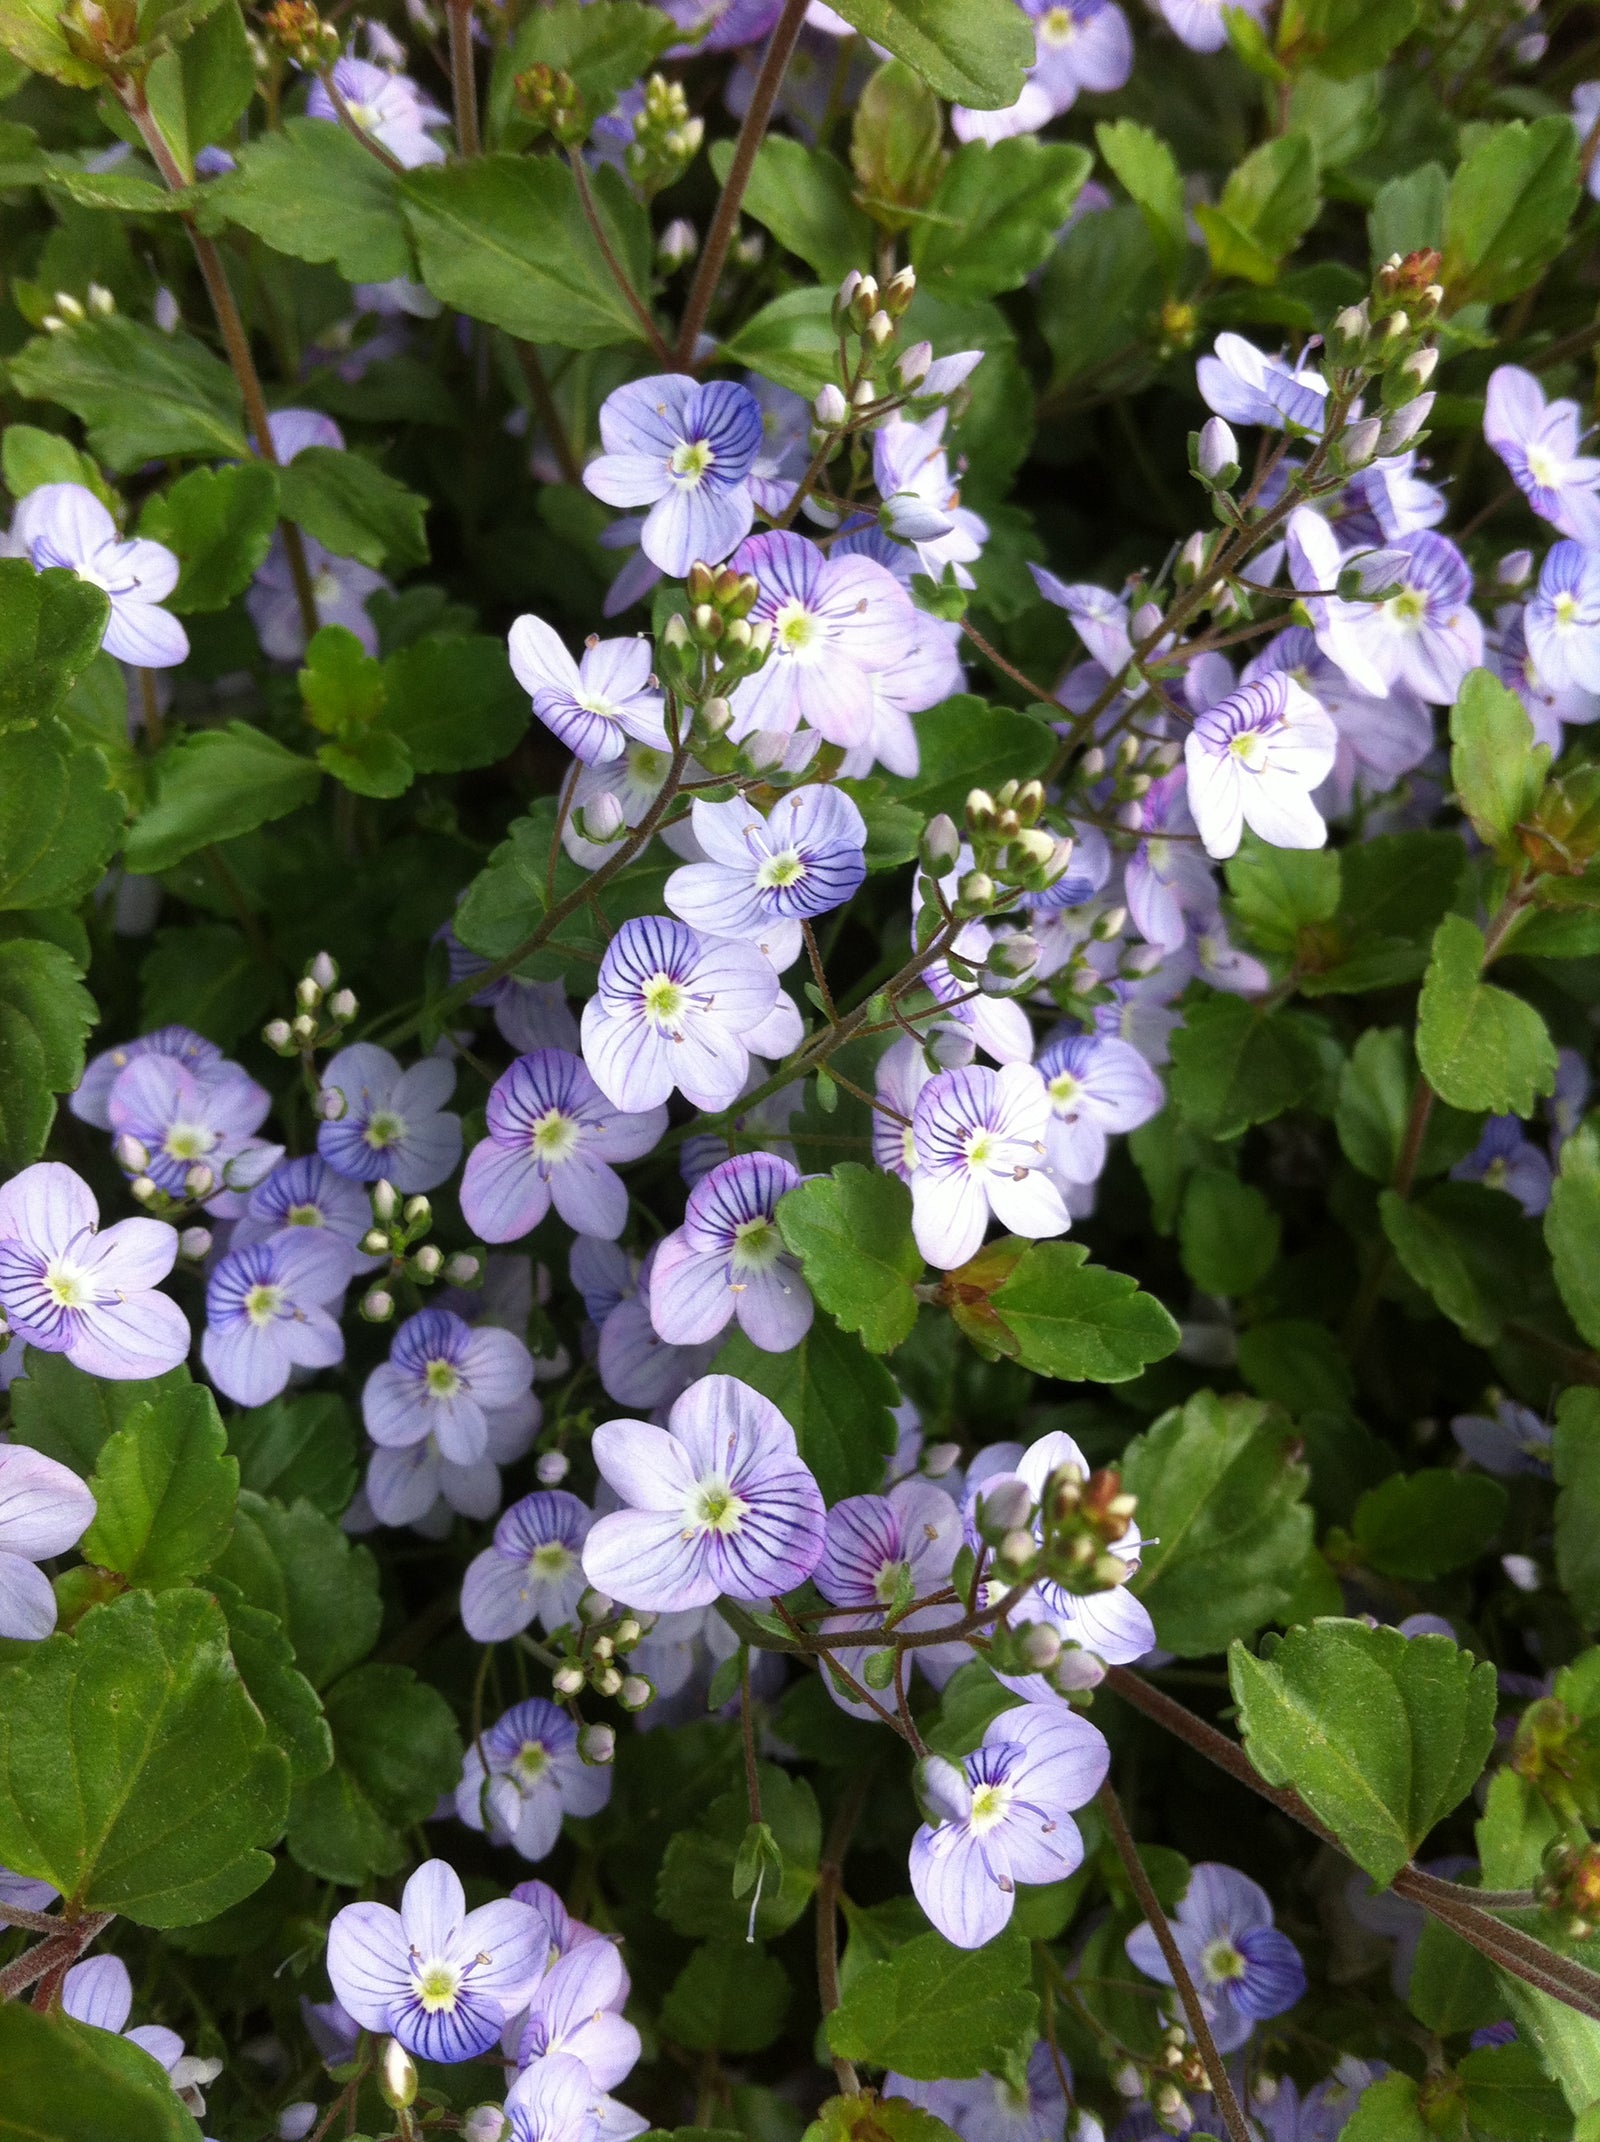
(164,1491)
(695,1892)
(69,2082)
(176,1783)
(1509,206)
(1221,1505)
(143,396)
(1149,171)
(1060,1315)
(1267,206)
(729,1997)
(45,1015)
(51,626)
(833,1394)
(1496,767)
(961,741)
(298,1447)
(1227,1232)
(296,1564)
(1344,38)
(395,1750)
(209,977)
(931,2010)
(804,197)
(852,1234)
(1234,1064)
(1572,1230)
(1380,1734)
(972,51)
(603,47)
(1479,1046)
(212,784)
(353,508)
(1423,1525)
(312,191)
(220,523)
(993,219)
(1577,1469)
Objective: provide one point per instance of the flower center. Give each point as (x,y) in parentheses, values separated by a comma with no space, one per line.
(1566,609)
(1064,1090)
(303,1216)
(188,1141)
(756,1244)
(782,870)
(794,627)
(714,1507)
(441,1379)
(691,459)
(908,1148)
(555,1136)
(1056,26)
(663,999)
(67,1287)
(1544,469)
(533,1760)
(602,707)
(980,1149)
(550,1562)
(437,1987)
(1249,747)
(263,1303)
(326,589)
(384,1129)
(1410,606)
(887,1582)
(989,1804)
(1220,1962)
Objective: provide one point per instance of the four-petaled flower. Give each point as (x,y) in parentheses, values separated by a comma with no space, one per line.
(91,1103)
(441,1979)
(980,1139)
(1243,1969)
(1253,760)
(553,1136)
(1538,441)
(443,1379)
(719,1504)
(200,1118)
(728,1261)
(44,1509)
(64,524)
(1096,1085)
(597,705)
(69,1287)
(672,1008)
(394,1125)
(762,877)
(268,1312)
(524,1773)
(685,449)
(1562,620)
(533,1570)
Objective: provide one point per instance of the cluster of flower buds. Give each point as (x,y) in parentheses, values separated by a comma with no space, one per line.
(1558,1754)
(1012,852)
(871,318)
(1569,1886)
(705,652)
(397,1233)
(69,312)
(105,33)
(296,30)
(666,139)
(1385,337)
(1070,1536)
(551,101)
(594,1656)
(322,1012)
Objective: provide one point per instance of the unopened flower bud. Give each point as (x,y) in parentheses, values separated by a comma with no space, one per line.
(143,1189)
(68,307)
(594,1606)
(629,1632)
(276,1034)
(714,718)
(417,1209)
(101,301)
(567,1680)
(323,972)
(428,1261)
(1358,442)
(678,243)
(1031,849)
(1515,569)
(397,2075)
(915,365)
(1110,924)
(552,1468)
(461,1269)
(1143,622)
(976,889)
(848,288)
(636,1692)
(1217,454)
(304,1028)
(878,330)
(607,1681)
(377,1305)
(940,845)
(1077,1669)
(1093,763)
(597,1744)
(1040,1646)
(342,1006)
(864,394)
(1012,956)
(375,1243)
(830,407)
(200,1181)
(864,300)
(330,1105)
(133,1157)
(385,1200)
(940,1458)
(484,2123)
(307,994)
(898,292)
(195,1243)
(1003,1507)
(1401,426)
(1018,1548)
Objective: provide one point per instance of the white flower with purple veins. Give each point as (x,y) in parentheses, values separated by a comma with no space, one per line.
(1112,1624)
(1424,636)
(728,1261)
(99,1992)
(268,1312)
(69,1287)
(1253,760)
(835,623)
(532,1572)
(1513,1440)
(685,449)
(1167,880)
(553,1139)
(903,1070)
(718,1504)
(576,2011)
(981,1149)
(389,107)
(595,705)
(1096,1085)
(394,1126)
(1548,707)
(1504,1158)
(1562,621)
(441,1979)
(205,1118)
(921,499)
(1243,1969)
(524,1773)
(674,1009)
(1080,45)
(92,1101)
(1380,740)
(306,1192)
(1538,441)
(763,876)
(553,2101)
(443,1379)
(340,588)
(637,1367)
(1240,382)
(44,1510)
(881,1552)
(1004,1816)
(64,524)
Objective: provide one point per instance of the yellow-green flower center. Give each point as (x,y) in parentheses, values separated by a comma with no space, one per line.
(303,1216)
(262,1303)
(691,458)
(794,627)
(781,870)
(67,1287)
(664,999)
(442,1379)
(383,1129)
(188,1141)
(714,1507)
(438,1986)
(989,1804)
(555,1136)
(1221,1961)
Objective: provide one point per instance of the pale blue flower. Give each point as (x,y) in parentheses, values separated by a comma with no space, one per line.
(727,1261)
(1243,1969)
(64,524)
(395,1127)
(523,1774)
(67,1286)
(44,1509)
(762,876)
(684,449)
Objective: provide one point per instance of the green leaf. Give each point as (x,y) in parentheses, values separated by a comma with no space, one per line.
(962,742)
(1479,1047)
(373,764)
(835,1397)
(1388,2111)
(852,1234)
(896,145)
(213,784)
(792,340)
(893,828)
(603,44)
(206,975)
(933,2010)
(46,1015)
(730,1997)
(1423,1525)
(864,2118)
(68,1415)
(806,199)
(297,1564)
(175,1786)
(972,51)
(353,509)
(143,395)
(1510,202)
(1234,1064)
(1344,38)
(1100,296)
(60,819)
(164,1490)
(505,239)
(1497,769)
(1572,1230)
(1379,1733)
(1149,172)
(219,522)
(1222,1509)
(311,191)
(283,1695)
(395,1751)
(996,213)
(51,626)
(1577,1470)
(202,88)
(454,703)
(1228,1234)
(304,1446)
(1375,1101)
(1408,214)
(1278,892)
(31,30)
(695,1890)
(30,457)
(1432,1250)
(1453,1987)
(1509,2098)
(71,2082)
(1079,1321)
(1268,204)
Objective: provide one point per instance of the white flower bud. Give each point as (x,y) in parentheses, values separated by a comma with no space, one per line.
(1002,1508)
(462,1269)
(385,1200)
(1077,1669)
(1093,763)
(1515,569)
(166,314)
(330,1105)
(101,300)
(276,1034)
(377,1305)
(608,1682)
(552,1468)
(143,1189)
(397,2075)
(567,1680)
(307,994)
(296,2121)
(342,1005)
(602,820)
(849,287)
(865,394)
(636,1692)
(940,1458)
(323,972)
(484,2123)
(200,1180)
(1402,425)
(1111,924)
(594,1606)
(1218,452)
(375,1243)
(304,1028)
(915,365)
(67,306)
(597,1744)
(679,242)
(1140,626)
(194,1243)
(416,1209)
(628,1632)
(132,1156)
(830,407)
(428,1260)
(878,330)
(1358,443)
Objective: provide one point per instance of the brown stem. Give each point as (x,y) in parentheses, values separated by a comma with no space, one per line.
(235,340)
(464,79)
(150,707)
(1150,1904)
(48,1959)
(544,408)
(725,221)
(1405,1167)
(617,272)
(994,656)
(747,1728)
(830,1879)
(32,1922)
